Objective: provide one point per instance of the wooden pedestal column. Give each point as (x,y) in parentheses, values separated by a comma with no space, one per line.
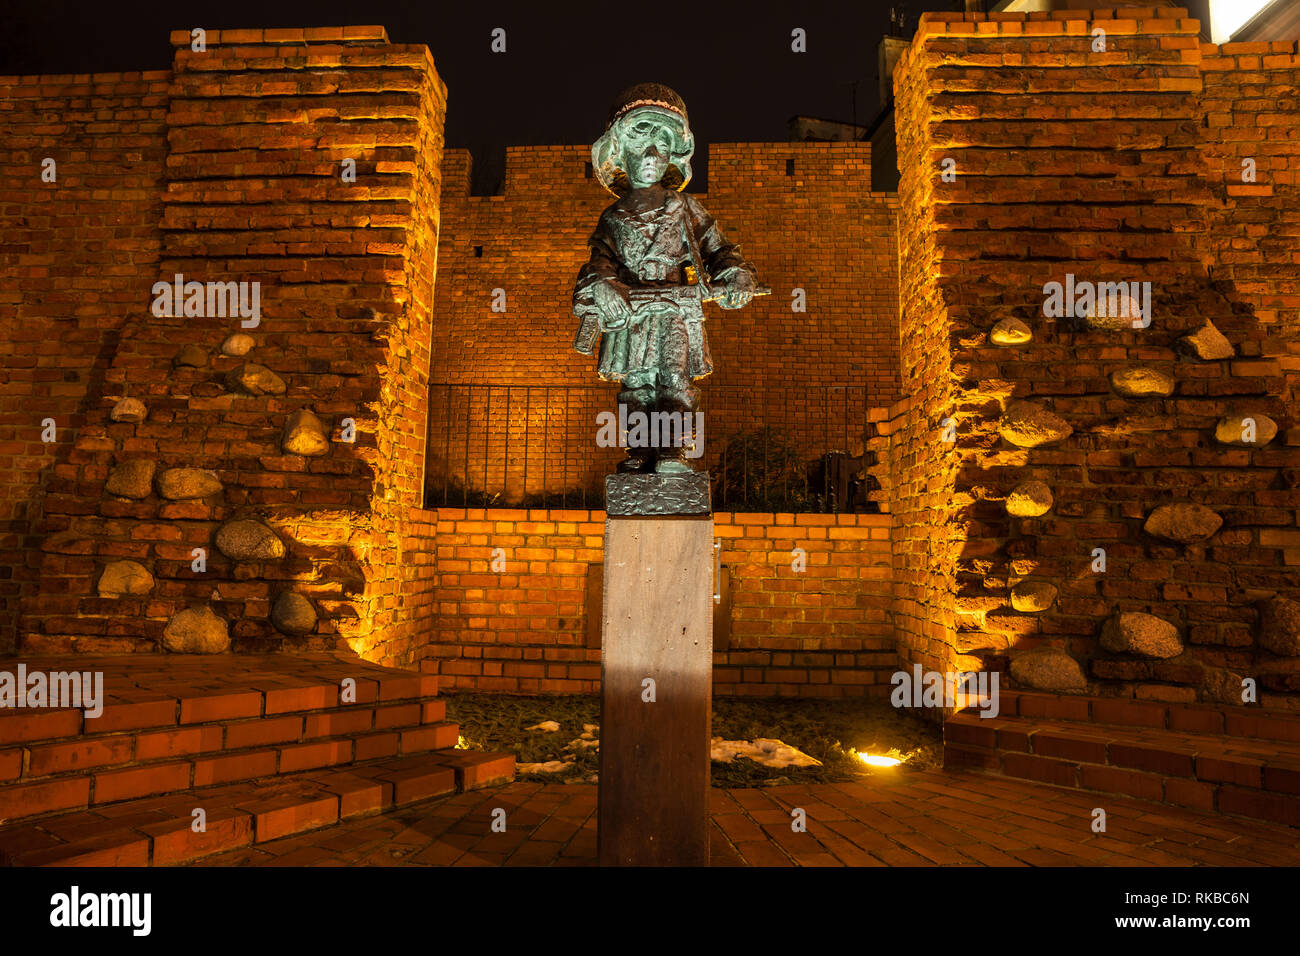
(654,754)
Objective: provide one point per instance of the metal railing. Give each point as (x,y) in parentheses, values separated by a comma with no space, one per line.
(778,449)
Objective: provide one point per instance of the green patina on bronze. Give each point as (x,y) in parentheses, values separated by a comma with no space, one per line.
(656,257)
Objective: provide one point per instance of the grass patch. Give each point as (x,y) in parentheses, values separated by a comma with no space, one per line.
(828,730)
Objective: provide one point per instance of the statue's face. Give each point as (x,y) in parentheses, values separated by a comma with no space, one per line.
(647,149)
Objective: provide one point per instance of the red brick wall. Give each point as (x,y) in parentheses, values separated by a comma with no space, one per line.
(825,631)
(928,529)
(521,629)
(76,256)
(1091,163)
(1250,111)
(413,594)
(820,229)
(346,273)
(821,632)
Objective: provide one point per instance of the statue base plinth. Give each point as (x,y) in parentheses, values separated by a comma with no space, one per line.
(656,691)
(686,493)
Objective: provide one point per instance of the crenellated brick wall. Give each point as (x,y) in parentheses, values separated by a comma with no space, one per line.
(1070,160)
(176,433)
(517,619)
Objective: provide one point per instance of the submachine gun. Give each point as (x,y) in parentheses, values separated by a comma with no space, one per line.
(680,297)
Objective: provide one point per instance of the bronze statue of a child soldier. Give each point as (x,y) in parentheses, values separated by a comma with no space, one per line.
(656,256)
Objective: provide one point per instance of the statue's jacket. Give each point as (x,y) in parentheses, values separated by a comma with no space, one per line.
(647,250)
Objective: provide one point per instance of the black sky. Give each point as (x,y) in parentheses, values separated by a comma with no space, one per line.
(563,64)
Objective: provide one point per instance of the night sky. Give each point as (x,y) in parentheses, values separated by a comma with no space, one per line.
(563,65)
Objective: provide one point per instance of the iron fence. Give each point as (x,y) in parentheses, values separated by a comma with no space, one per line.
(776,449)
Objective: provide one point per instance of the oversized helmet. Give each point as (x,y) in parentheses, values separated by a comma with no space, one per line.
(629,107)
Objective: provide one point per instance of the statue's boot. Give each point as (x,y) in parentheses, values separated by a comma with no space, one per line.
(639,399)
(681,398)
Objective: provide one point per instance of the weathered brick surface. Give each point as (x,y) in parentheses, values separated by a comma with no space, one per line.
(1112,166)
(1247,101)
(78,256)
(241,149)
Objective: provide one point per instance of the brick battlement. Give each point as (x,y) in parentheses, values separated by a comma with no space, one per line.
(729,166)
(355,35)
(39,84)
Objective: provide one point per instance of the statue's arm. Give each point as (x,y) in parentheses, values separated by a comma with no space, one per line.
(600,299)
(722,259)
(602,266)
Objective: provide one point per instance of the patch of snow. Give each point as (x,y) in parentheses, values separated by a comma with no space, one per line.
(765,750)
(580,743)
(549,726)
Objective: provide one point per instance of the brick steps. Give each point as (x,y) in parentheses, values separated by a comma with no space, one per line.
(159,831)
(125,781)
(262,744)
(1235,760)
(52,757)
(170,725)
(1217,719)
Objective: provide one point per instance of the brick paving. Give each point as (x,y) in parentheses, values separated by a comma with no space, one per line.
(905,819)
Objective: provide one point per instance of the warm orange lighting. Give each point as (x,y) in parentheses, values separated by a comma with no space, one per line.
(877,761)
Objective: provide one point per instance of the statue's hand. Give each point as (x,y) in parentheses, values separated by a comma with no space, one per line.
(615,309)
(740,289)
